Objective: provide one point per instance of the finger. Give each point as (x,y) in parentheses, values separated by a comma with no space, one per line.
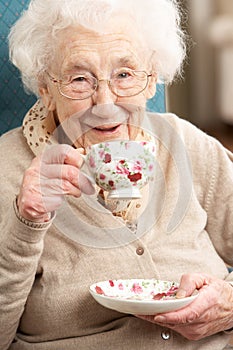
(190,282)
(66,172)
(186,316)
(58,187)
(75,157)
(196,311)
(51,170)
(62,154)
(60,171)
(85,184)
(63,186)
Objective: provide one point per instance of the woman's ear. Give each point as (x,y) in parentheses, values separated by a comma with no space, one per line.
(151,87)
(47,98)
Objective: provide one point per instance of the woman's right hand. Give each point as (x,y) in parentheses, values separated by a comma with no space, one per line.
(51,176)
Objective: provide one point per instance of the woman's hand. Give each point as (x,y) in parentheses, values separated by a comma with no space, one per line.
(51,176)
(210,313)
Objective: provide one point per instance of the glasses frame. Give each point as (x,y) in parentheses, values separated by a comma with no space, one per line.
(58,83)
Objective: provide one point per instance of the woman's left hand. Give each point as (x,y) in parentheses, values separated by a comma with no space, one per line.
(210,313)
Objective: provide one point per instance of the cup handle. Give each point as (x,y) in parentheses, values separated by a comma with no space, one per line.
(88,176)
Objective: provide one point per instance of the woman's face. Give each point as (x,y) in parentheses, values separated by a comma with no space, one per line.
(102,116)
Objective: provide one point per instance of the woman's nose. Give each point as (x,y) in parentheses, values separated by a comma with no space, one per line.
(109,112)
(103,93)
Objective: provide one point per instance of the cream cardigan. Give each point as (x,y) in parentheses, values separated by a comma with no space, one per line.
(182,224)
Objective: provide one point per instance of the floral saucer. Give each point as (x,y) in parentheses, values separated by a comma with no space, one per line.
(139,296)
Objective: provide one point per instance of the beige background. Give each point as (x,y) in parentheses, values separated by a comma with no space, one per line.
(205,95)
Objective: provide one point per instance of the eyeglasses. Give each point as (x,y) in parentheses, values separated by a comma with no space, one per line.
(124,82)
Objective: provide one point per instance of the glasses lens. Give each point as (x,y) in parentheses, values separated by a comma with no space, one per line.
(78,87)
(128,82)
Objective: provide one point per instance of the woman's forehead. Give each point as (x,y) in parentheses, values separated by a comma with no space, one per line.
(89,39)
(79,46)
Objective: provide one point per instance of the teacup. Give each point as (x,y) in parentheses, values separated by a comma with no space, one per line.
(122,167)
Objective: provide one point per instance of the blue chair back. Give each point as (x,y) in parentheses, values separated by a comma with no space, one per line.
(14,101)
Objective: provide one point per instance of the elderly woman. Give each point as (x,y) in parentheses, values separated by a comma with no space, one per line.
(93,65)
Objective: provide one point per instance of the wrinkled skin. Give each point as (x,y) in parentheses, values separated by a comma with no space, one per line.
(210,313)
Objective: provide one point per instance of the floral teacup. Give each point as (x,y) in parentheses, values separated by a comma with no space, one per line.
(122,167)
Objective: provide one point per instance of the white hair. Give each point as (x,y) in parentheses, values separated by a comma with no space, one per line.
(32,38)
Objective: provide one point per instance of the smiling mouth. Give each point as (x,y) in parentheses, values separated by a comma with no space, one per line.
(107,129)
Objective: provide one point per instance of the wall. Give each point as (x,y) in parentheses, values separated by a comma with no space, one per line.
(197,97)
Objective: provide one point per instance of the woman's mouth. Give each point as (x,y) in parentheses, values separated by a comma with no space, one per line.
(107,129)
(99,133)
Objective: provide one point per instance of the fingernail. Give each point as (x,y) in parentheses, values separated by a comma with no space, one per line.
(181,294)
(160,319)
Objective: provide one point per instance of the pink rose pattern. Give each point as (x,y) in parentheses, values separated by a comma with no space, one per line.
(136,288)
(151,290)
(132,171)
(107,158)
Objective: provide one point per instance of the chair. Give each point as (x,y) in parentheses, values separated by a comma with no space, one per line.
(14,102)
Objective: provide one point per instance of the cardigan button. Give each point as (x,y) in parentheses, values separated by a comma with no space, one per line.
(140,251)
(166,334)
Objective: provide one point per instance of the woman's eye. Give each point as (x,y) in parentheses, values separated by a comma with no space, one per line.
(124,75)
(78,79)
